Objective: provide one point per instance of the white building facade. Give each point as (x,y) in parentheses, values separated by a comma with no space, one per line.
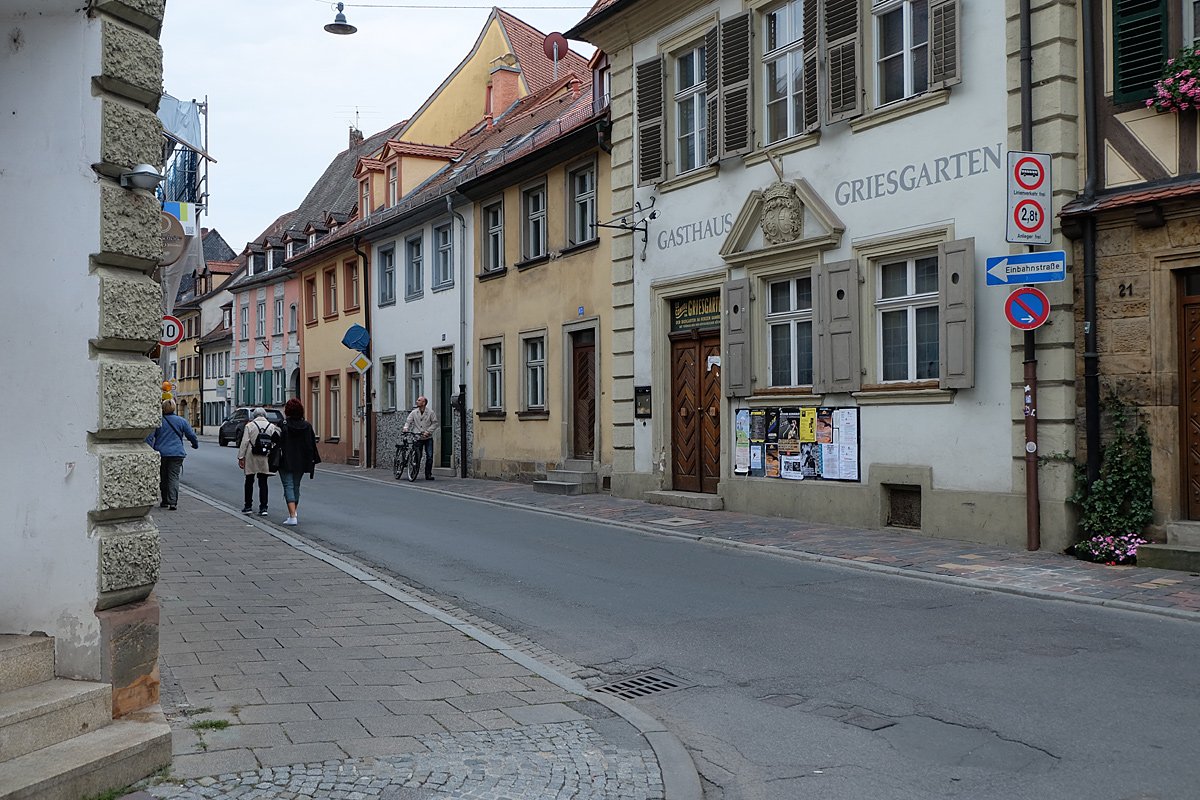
(802,323)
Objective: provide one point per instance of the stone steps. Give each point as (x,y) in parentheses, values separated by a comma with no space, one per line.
(58,740)
(568,480)
(1181,557)
(696,500)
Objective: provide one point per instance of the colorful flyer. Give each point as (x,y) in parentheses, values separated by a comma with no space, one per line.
(789,430)
(791,467)
(823,429)
(741,442)
(808,424)
(756,460)
(758,425)
(771,460)
(772,425)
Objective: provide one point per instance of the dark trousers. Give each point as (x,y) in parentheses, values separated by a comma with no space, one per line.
(168,479)
(262,490)
(427,446)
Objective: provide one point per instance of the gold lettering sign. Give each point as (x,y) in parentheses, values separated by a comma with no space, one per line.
(690,313)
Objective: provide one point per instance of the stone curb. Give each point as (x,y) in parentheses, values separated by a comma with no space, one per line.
(803,555)
(679,776)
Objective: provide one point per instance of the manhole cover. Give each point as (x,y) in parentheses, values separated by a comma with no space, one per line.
(641,685)
(676,522)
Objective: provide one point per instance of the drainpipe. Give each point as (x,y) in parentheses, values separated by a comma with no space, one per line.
(1033,520)
(200,358)
(1091,357)
(365,272)
(462,340)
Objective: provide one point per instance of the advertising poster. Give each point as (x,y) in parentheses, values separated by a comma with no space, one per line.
(789,430)
(772,425)
(808,424)
(771,460)
(756,460)
(741,442)
(810,459)
(790,467)
(830,465)
(758,425)
(823,427)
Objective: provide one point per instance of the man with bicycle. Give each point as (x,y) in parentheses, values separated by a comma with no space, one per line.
(423,422)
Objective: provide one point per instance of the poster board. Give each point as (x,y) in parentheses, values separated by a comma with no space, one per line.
(799,444)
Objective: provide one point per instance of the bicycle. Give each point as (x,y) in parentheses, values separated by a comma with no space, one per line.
(408,456)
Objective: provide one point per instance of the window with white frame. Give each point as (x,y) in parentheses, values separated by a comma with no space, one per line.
(443,257)
(387,275)
(314,404)
(364,199)
(414,267)
(387,371)
(331,292)
(280,385)
(533,210)
(493,232)
(351,299)
(582,184)
(393,180)
(260,322)
(790,331)
(245,331)
(691,113)
(334,410)
(901,49)
(278,315)
(415,378)
(535,372)
(783,71)
(906,317)
(493,376)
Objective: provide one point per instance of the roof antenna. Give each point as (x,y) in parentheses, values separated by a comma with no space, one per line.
(555,47)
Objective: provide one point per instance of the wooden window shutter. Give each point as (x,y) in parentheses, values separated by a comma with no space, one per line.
(651,109)
(956,313)
(945,57)
(812,102)
(842,37)
(712,101)
(737,126)
(839,363)
(738,368)
(1139,47)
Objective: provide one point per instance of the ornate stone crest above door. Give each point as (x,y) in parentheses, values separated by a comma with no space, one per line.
(783,220)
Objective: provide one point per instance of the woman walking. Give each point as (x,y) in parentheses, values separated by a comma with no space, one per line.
(297,455)
(168,441)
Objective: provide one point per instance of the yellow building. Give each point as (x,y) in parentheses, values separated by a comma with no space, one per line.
(543,299)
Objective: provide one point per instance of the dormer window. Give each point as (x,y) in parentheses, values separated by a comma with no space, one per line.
(393,185)
(291,248)
(364,199)
(258,263)
(312,238)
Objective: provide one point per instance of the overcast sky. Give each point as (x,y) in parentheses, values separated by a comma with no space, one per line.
(282,93)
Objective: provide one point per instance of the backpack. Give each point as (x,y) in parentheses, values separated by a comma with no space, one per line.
(262,443)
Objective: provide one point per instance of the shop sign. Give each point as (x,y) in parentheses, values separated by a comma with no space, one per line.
(692,313)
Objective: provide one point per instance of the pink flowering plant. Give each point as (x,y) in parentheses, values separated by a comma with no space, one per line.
(1179,87)
(1109,549)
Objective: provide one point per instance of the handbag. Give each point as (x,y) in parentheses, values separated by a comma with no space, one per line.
(275,454)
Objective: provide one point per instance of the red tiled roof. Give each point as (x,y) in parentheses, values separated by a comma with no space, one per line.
(1136,196)
(222,267)
(394,147)
(526,43)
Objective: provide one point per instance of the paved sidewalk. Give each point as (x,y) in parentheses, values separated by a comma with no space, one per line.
(289,673)
(1041,574)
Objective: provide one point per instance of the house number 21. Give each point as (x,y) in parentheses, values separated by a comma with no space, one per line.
(1125,290)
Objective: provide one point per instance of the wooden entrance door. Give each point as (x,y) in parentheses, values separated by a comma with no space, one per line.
(583,394)
(1189,407)
(696,413)
(445,412)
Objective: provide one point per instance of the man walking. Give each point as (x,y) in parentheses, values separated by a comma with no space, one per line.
(258,437)
(423,423)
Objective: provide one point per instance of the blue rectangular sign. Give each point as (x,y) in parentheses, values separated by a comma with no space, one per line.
(1049,266)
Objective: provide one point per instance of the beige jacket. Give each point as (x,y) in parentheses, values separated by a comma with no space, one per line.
(422,424)
(255,464)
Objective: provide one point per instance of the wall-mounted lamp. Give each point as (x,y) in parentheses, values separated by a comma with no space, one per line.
(339,24)
(142,176)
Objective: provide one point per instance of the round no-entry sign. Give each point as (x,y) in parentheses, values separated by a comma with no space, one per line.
(172,331)
(1027,308)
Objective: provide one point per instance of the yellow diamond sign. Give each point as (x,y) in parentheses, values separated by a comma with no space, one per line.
(361,363)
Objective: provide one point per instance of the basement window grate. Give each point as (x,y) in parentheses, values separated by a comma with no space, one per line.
(903,506)
(641,685)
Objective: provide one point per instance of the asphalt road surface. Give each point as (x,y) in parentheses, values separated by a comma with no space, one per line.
(801,680)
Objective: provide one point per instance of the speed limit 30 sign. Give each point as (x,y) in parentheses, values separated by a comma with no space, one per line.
(1029,201)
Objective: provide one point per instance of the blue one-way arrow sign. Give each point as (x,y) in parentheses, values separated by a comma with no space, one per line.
(1046,267)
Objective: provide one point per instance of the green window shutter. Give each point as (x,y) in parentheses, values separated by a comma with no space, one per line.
(956,313)
(842,35)
(945,55)
(1139,47)
(737,116)
(812,103)
(738,366)
(839,362)
(650,107)
(265,391)
(712,96)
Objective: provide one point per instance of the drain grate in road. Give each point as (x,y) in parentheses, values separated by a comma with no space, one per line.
(641,685)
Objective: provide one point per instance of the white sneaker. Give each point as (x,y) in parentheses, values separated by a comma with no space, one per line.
(290,521)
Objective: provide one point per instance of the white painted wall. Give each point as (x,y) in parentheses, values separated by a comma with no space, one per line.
(968,442)
(49,224)
(430,322)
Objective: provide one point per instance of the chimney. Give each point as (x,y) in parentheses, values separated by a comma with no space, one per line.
(356,137)
(575,85)
(503,90)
